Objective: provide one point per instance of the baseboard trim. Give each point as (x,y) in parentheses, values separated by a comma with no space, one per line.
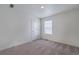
(11,46)
(60,43)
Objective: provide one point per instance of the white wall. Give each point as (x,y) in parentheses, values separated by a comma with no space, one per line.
(16,26)
(65,27)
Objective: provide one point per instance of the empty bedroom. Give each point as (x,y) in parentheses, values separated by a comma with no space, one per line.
(39,29)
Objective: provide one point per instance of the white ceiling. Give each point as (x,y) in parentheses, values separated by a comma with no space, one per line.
(50,9)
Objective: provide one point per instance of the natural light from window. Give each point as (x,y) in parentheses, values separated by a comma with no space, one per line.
(48,27)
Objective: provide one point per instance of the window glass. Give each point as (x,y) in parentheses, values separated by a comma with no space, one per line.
(48,27)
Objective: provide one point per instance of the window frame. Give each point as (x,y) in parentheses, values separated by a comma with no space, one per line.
(44,29)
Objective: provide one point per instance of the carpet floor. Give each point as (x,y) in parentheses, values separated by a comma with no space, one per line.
(41,47)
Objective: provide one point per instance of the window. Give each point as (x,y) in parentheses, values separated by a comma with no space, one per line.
(48,27)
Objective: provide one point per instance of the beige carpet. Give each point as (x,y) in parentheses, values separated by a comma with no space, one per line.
(41,47)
